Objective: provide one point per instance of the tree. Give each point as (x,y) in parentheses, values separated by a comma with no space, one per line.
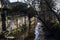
(46,8)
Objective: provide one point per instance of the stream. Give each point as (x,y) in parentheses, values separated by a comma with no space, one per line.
(39,33)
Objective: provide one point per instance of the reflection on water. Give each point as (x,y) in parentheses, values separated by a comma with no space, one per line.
(39,34)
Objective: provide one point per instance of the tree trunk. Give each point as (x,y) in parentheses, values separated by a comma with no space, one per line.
(29,23)
(3,16)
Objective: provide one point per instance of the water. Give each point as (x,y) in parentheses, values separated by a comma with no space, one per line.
(39,34)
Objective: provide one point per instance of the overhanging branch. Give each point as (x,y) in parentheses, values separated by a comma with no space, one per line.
(52,10)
